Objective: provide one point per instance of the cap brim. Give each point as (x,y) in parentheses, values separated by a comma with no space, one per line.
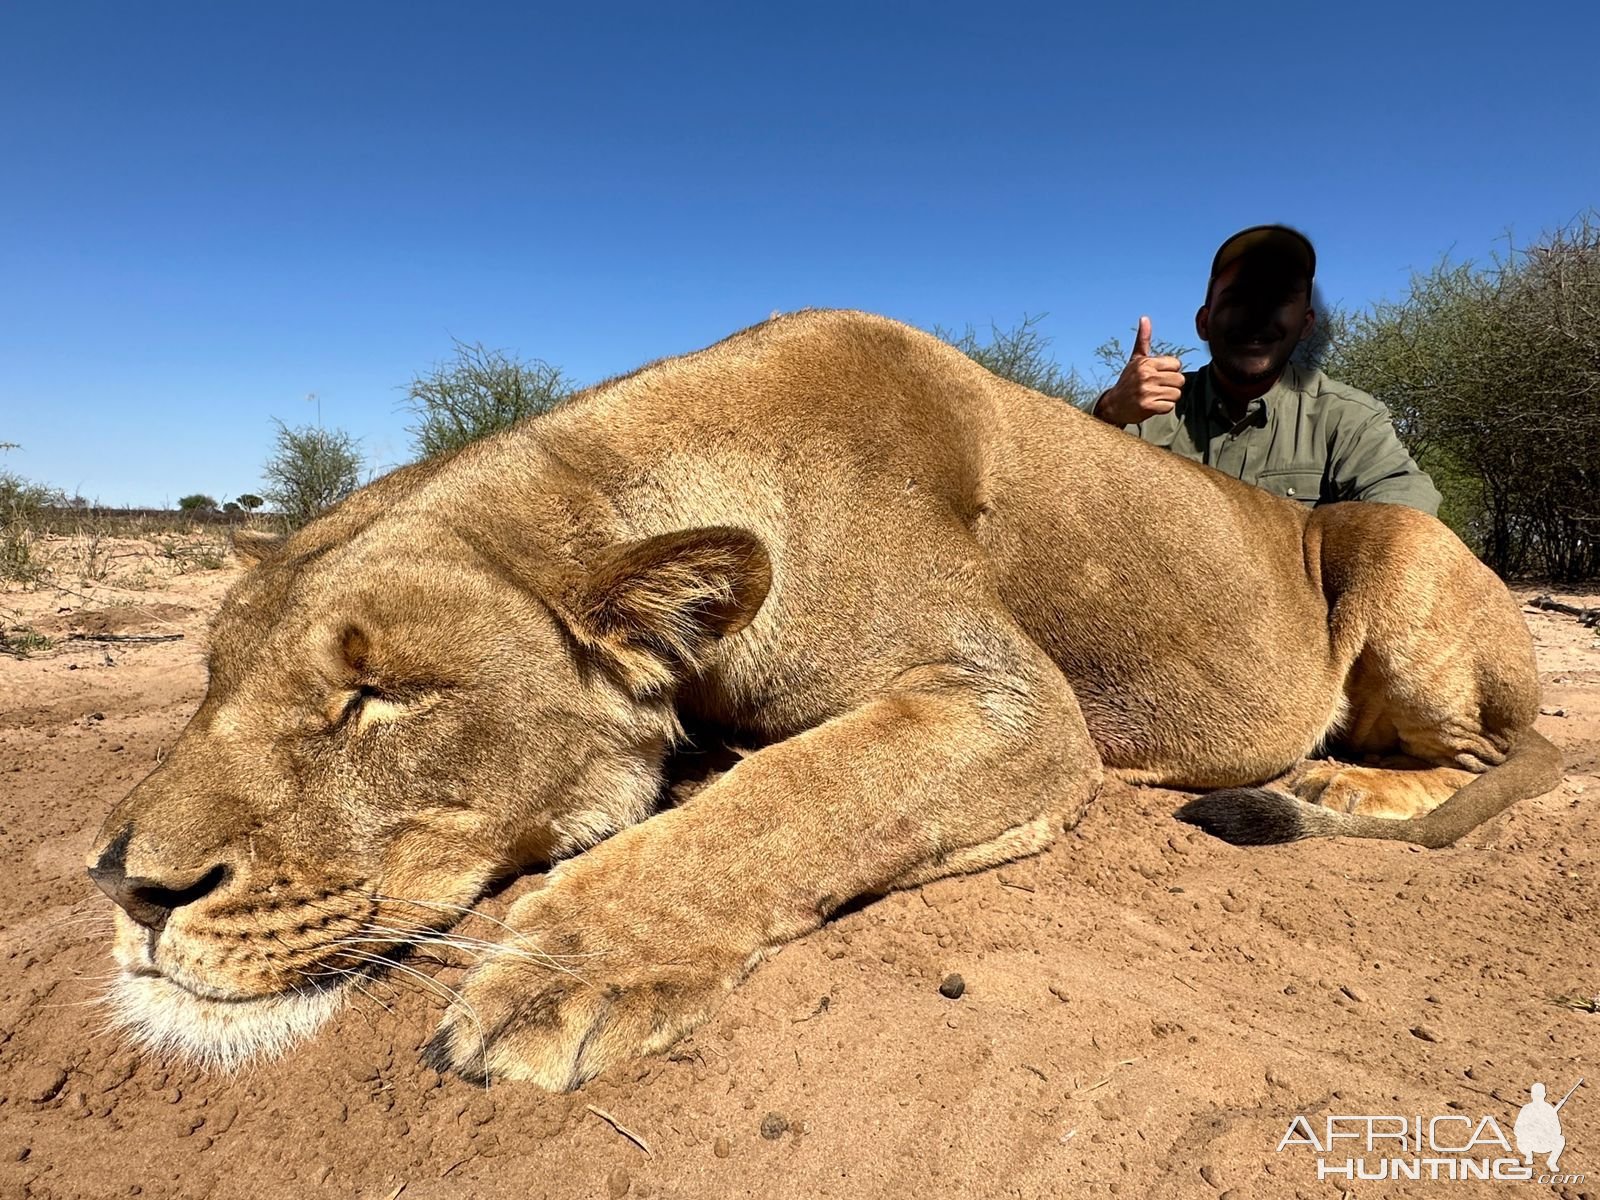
(1278,238)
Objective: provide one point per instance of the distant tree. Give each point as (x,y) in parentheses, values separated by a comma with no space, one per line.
(199,502)
(478,392)
(1022,355)
(1493,375)
(310,470)
(250,502)
(230,508)
(1113,356)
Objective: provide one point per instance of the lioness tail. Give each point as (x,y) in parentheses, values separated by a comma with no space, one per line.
(1261,816)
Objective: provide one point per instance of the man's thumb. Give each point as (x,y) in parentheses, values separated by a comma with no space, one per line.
(1141,344)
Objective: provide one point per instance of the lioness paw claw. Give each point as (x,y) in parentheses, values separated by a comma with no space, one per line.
(519,1021)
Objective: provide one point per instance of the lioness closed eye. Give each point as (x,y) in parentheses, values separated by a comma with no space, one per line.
(839,538)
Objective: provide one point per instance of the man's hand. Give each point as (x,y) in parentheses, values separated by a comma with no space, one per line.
(1148,385)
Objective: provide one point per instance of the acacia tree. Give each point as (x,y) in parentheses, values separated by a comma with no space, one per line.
(311,469)
(477,392)
(1022,355)
(1493,374)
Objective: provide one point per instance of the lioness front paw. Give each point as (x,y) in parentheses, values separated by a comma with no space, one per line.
(567,997)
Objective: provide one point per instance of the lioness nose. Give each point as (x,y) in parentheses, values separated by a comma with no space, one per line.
(150,901)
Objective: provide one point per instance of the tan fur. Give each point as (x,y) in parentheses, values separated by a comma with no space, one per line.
(935,605)
(1397,794)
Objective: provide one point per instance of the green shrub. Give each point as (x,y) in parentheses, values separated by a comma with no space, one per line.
(478,392)
(311,470)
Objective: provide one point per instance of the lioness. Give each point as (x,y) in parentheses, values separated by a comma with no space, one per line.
(922,591)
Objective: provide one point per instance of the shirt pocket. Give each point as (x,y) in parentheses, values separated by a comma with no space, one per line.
(1292,484)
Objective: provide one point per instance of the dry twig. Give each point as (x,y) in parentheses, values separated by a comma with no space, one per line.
(622,1129)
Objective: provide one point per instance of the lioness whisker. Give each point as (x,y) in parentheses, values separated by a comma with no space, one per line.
(480,950)
(517,934)
(456,999)
(96,925)
(465,911)
(92,1000)
(427,934)
(465,942)
(430,933)
(356,979)
(433,985)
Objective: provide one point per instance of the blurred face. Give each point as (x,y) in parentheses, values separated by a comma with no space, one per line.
(1256,313)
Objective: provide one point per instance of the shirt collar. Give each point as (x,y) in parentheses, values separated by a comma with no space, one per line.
(1255,413)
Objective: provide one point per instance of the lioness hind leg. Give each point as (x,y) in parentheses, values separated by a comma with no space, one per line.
(1379,792)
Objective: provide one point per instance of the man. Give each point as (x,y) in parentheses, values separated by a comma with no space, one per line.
(1252,413)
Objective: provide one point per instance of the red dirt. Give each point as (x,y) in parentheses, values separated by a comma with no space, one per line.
(1146,1009)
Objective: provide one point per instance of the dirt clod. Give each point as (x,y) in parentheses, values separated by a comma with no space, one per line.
(45,1084)
(774,1126)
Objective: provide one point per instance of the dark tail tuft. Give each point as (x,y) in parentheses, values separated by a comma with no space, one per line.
(1248,816)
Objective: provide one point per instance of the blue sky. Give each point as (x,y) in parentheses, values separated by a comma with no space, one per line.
(208,211)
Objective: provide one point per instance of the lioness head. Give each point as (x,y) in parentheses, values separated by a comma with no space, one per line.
(393,719)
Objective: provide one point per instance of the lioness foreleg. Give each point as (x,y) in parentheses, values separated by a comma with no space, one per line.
(634,943)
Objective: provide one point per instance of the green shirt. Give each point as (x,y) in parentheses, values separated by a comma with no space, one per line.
(1308,439)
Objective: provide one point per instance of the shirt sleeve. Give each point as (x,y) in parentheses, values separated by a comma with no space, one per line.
(1368,462)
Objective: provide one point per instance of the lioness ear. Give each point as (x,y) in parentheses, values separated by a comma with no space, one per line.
(656,607)
(252,547)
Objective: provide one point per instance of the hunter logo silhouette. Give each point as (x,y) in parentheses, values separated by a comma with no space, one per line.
(1538,1127)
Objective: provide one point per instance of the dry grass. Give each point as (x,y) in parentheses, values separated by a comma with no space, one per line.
(43,548)
(75,552)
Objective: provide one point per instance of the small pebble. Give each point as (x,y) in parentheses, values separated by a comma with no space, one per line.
(1209,1174)
(774,1126)
(953,987)
(1354,993)
(617,1183)
(722,1147)
(1426,1032)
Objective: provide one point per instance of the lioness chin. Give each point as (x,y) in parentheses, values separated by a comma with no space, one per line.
(941,605)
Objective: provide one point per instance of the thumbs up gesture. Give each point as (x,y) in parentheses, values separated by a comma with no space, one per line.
(1149,385)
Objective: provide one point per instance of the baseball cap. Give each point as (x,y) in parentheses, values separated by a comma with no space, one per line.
(1279,239)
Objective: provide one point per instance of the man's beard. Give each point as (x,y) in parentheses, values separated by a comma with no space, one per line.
(1225,365)
(1241,378)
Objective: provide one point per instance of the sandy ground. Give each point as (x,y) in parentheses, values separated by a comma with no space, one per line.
(1146,1009)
